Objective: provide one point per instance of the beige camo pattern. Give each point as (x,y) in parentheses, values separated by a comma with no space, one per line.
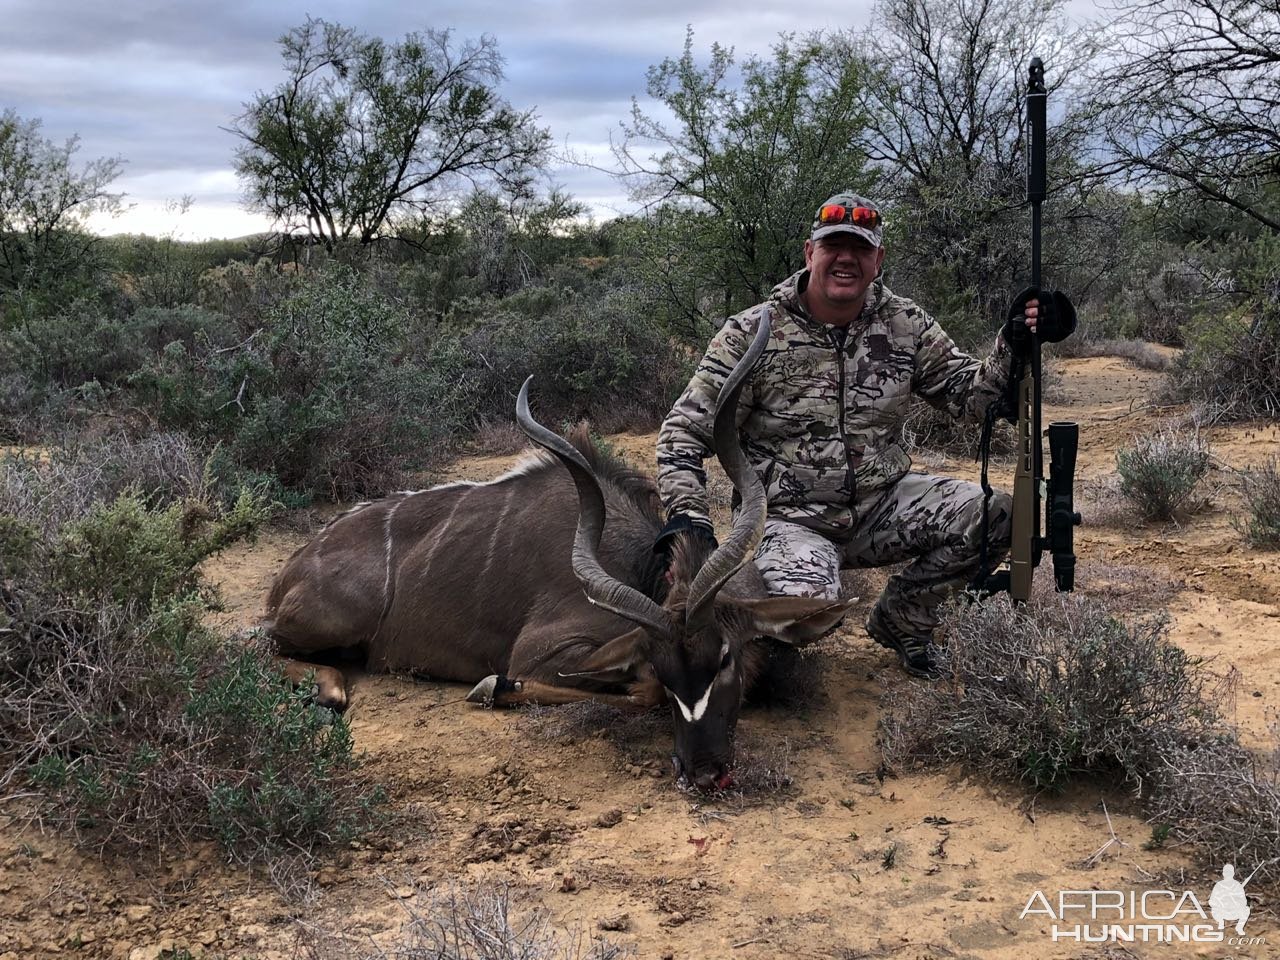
(820,420)
(821,423)
(935,522)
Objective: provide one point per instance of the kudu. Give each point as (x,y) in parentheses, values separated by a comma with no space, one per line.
(544,596)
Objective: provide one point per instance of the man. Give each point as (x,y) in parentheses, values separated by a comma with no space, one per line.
(820,419)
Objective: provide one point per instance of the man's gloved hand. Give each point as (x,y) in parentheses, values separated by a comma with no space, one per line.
(678,522)
(1055,319)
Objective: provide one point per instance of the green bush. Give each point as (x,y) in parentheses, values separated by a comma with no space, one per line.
(132,722)
(1160,473)
(591,355)
(1231,364)
(322,395)
(89,341)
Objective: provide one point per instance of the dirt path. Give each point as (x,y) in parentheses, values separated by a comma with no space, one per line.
(842,864)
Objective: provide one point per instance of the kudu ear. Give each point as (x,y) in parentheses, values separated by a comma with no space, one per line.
(795,620)
(619,658)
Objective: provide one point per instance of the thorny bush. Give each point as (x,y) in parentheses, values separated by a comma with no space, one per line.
(1224,800)
(458,923)
(1055,690)
(1261,489)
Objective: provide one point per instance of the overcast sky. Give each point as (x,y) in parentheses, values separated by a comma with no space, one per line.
(154,82)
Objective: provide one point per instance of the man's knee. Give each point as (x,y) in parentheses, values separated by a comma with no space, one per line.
(1000,517)
(796,562)
(782,581)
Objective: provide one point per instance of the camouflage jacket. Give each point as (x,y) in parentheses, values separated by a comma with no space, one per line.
(821,422)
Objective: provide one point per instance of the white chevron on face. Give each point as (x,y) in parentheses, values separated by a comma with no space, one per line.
(699,708)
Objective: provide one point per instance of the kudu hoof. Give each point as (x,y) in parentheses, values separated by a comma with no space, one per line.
(483,692)
(486,691)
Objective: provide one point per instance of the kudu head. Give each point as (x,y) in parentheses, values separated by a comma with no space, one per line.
(698,644)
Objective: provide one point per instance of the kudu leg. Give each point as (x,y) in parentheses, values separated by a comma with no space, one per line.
(496,691)
(328,683)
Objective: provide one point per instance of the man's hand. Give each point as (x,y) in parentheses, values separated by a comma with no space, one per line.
(678,523)
(1048,313)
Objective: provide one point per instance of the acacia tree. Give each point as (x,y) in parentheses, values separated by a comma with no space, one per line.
(44,202)
(1191,103)
(732,184)
(945,125)
(365,133)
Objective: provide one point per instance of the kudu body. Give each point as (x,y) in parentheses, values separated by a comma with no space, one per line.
(542,585)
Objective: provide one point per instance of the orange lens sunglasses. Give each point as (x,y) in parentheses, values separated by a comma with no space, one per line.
(858,216)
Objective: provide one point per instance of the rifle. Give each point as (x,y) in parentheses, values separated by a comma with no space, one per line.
(1028,545)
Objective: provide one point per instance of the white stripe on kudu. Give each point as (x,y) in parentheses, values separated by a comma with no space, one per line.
(699,708)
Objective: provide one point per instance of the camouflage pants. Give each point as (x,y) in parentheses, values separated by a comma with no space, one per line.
(934,522)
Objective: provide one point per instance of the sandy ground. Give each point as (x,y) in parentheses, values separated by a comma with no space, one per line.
(491,796)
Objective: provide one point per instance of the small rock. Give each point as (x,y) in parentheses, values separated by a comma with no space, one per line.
(619,922)
(403,893)
(568,884)
(137,912)
(695,884)
(519,847)
(610,818)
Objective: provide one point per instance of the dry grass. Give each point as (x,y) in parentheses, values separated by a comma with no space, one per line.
(1138,352)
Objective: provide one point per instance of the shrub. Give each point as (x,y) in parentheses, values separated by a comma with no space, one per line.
(1059,689)
(246,292)
(55,485)
(1232,364)
(322,396)
(1262,496)
(1225,800)
(1161,471)
(591,355)
(131,722)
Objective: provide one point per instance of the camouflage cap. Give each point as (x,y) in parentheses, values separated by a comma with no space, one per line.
(849,201)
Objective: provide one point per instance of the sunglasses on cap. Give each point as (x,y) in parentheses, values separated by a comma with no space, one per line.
(834,213)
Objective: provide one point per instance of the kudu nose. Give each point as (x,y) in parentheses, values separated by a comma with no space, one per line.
(717,778)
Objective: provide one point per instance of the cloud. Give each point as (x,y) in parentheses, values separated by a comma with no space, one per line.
(155,83)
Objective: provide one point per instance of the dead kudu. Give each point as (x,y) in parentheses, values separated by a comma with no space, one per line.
(523,585)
